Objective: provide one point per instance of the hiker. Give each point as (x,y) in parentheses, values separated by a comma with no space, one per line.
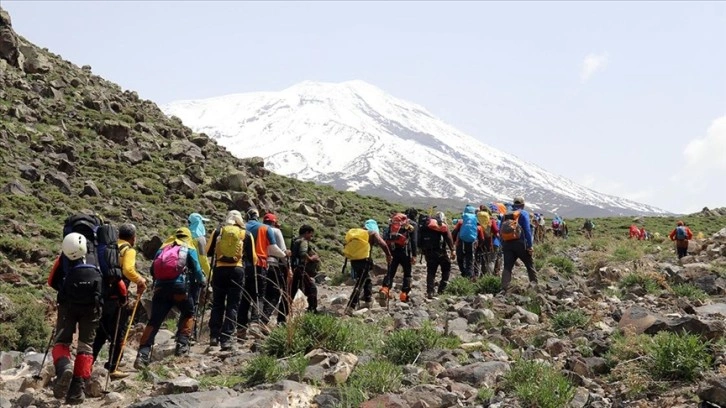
(643,234)
(588,227)
(231,248)
(400,237)
(434,238)
(497,244)
(277,284)
(251,314)
(305,263)
(115,315)
(467,233)
(633,232)
(79,284)
(681,235)
(361,263)
(199,235)
(175,270)
(517,242)
(485,248)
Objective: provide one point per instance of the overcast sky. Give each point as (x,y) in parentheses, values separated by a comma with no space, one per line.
(626,98)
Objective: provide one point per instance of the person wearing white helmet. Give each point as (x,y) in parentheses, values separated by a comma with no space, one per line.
(80,296)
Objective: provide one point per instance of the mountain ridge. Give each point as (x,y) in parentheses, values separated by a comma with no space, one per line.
(361,135)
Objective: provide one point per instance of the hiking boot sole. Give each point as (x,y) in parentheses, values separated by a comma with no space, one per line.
(62,383)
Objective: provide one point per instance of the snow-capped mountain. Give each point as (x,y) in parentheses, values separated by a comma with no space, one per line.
(357,137)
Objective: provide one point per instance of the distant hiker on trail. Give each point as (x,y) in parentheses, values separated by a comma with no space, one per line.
(176,270)
(358,243)
(467,233)
(485,248)
(305,265)
(232,249)
(400,238)
(433,239)
(633,232)
(588,226)
(539,228)
(497,256)
(517,242)
(79,284)
(276,301)
(559,227)
(681,235)
(115,317)
(643,234)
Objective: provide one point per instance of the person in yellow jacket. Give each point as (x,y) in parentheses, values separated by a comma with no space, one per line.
(228,279)
(107,328)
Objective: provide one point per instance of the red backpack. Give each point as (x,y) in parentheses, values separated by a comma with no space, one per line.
(398,230)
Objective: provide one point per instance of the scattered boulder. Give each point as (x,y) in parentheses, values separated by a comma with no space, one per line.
(90,189)
(60,180)
(15,187)
(478,374)
(115,131)
(29,173)
(132,156)
(179,385)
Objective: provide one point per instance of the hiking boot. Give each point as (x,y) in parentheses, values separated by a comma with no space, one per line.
(366,305)
(403,297)
(75,393)
(213,342)
(430,294)
(142,358)
(64,375)
(117,375)
(383,296)
(181,349)
(242,334)
(226,345)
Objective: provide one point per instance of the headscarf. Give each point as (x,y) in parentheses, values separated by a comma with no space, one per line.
(372,225)
(181,236)
(196,225)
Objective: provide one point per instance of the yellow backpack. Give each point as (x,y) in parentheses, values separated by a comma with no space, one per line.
(229,247)
(485,221)
(357,246)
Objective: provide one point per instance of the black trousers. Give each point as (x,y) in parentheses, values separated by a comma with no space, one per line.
(275,293)
(514,250)
(255,284)
(227,284)
(400,257)
(434,260)
(107,329)
(305,281)
(361,271)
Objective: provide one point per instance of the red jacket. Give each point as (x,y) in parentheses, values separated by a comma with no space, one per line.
(672,235)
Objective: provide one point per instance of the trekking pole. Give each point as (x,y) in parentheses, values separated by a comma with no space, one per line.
(50,341)
(112,348)
(356,290)
(126,336)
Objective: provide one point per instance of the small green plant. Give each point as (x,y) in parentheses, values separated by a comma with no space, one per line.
(484,395)
(647,282)
(296,365)
(539,385)
(376,377)
(262,369)
(562,264)
(677,356)
(568,319)
(311,331)
(627,252)
(689,291)
(460,286)
(25,325)
(404,346)
(489,284)
(223,381)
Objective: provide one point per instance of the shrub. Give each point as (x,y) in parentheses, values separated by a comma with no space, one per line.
(25,325)
(539,385)
(568,319)
(376,377)
(563,265)
(647,282)
(489,284)
(311,331)
(460,286)
(484,395)
(627,252)
(689,291)
(403,346)
(678,356)
(262,369)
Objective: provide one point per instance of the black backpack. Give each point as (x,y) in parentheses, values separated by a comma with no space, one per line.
(428,239)
(295,256)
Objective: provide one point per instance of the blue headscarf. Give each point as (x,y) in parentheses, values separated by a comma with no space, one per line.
(196,225)
(372,225)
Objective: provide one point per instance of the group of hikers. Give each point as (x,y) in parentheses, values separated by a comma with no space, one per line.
(252,267)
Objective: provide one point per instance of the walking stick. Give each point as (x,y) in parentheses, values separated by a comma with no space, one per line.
(126,336)
(112,347)
(50,341)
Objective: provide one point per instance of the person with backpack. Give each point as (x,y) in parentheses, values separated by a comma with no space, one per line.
(485,248)
(681,235)
(498,257)
(199,234)
(79,283)
(633,232)
(231,247)
(357,249)
(588,227)
(400,238)
(251,314)
(305,263)
(277,284)
(467,233)
(517,242)
(176,271)
(433,239)
(115,315)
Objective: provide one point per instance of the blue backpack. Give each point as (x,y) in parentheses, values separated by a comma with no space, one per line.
(681,232)
(468,231)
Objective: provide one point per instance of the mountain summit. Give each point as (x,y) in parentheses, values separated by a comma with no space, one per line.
(357,137)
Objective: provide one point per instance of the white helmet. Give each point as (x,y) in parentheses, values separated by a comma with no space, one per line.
(74,246)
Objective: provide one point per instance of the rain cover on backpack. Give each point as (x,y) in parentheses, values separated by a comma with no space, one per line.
(681,232)
(171,262)
(398,231)
(357,246)
(229,247)
(468,232)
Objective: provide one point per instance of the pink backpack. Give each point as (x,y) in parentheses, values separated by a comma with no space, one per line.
(171,262)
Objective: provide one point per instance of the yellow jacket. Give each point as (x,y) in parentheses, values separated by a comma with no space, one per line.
(127,259)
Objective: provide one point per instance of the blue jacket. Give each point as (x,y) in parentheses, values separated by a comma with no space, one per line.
(253,226)
(526,228)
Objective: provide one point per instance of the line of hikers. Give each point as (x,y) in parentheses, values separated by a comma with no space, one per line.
(252,272)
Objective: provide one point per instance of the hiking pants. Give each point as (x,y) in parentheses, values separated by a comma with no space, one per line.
(682,248)
(255,284)
(466,259)
(86,317)
(107,329)
(303,281)
(400,257)
(497,259)
(361,273)
(227,283)
(276,286)
(164,299)
(514,250)
(287,294)
(434,259)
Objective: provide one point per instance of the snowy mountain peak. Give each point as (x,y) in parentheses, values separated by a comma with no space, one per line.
(357,137)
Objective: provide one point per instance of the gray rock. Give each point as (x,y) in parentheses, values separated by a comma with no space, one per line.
(115,131)
(305,209)
(205,399)
(29,173)
(10,359)
(714,391)
(15,187)
(529,317)
(430,395)
(386,401)
(581,398)
(90,189)
(184,148)
(60,180)
(478,374)
(113,398)
(328,367)
(179,385)
(183,185)
(132,156)
(5,403)
(233,180)
(35,61)
(95,384)
(712,309)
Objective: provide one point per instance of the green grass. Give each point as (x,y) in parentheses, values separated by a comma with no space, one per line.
(539,385)
(222,381)
(403,346)
(262,369)
(562,264)
(676,356)
(24,324)
(689,291)
(646,281)
(460,286)
(566,320)
(489,284)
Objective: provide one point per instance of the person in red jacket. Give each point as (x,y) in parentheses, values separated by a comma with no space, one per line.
(681,234)
(634,232)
